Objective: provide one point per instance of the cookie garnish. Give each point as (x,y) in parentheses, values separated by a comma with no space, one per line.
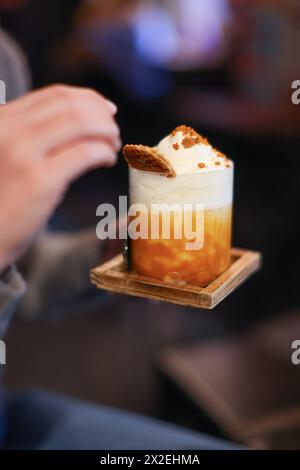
(148,159)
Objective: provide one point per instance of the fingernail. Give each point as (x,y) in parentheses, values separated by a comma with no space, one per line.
(112,106)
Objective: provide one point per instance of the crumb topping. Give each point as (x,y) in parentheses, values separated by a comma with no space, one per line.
(189,142)
(191,137)
(184,129)
(220,154)
(187,151)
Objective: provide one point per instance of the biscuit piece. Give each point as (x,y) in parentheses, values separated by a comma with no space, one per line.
(146,158)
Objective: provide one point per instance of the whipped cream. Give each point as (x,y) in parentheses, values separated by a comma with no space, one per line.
(203,175)
(189,153)
(213,189)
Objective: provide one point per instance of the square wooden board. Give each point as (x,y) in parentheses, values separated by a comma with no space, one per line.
(112,276)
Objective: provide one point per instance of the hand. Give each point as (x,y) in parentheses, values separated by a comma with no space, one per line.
(47,140)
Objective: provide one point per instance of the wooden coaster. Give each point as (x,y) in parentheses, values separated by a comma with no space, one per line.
(112,276)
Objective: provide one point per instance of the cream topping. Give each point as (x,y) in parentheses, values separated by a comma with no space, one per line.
(190,153)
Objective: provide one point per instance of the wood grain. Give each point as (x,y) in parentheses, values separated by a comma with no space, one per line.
(113,277)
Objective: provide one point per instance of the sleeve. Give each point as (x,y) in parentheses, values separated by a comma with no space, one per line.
(14,69)
(12,288)
(57,274)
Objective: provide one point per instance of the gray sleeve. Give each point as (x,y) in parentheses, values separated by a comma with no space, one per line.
(14,72)
(13,68)
(12,288)
(57,273)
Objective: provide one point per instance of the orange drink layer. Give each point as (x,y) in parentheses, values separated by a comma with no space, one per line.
(169,260)
(205,205)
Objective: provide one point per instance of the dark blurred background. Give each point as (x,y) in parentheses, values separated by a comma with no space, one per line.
(224,67)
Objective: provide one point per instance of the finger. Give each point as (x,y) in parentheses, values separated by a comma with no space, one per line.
(76,99)
(52,96)
(78,103)
(67,165)
(61,131)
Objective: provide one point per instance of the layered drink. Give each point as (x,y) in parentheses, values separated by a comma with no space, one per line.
(181,192)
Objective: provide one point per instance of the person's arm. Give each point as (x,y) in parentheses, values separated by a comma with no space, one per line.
(56,270)
(47,140)
(12,288)
(57,267)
